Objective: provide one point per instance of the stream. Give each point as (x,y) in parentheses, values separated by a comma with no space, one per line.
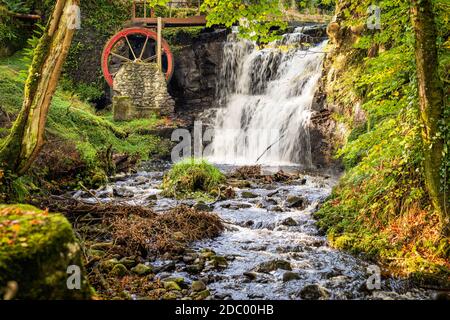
(262,227)
(271,248)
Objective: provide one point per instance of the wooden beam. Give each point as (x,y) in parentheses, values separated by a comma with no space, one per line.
(159,43)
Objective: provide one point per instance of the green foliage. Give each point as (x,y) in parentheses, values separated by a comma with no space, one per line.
(82,69)
(74,124)
(256,19)
(191,176)
(380,206)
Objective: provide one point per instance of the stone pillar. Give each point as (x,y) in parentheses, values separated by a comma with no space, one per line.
(146,88)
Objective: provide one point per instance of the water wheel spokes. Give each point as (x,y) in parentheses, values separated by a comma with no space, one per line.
(134,45)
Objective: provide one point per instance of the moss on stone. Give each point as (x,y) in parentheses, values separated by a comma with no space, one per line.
(36,248)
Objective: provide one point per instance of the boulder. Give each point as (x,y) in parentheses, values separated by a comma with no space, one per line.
(296,202)
(290,222)
(198,286)
(272,265)
(119,270)
(39,256)
(142,269)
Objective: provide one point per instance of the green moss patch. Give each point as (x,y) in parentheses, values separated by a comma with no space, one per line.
(36,248)
(191,176)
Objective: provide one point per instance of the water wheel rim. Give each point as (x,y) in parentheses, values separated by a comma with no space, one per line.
(123,34)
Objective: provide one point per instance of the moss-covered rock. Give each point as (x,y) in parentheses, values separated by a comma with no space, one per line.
(36,250)
(191,176)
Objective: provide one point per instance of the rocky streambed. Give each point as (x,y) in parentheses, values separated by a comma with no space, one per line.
(270,248)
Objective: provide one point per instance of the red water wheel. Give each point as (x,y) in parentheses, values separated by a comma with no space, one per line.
(136,45)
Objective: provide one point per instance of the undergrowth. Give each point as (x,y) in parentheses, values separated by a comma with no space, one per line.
(380,207)
(85,140)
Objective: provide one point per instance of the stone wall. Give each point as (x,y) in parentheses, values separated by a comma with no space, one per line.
(146,87)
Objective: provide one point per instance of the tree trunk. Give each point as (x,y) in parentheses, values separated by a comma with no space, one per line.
(26,138)
(431,101)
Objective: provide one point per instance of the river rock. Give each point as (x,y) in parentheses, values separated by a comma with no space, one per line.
(193,268)
(219,262)
(200,206)
(142,269)
(107,265)
(289,276)
(122,192)
(236,206)
(171,295)
(275,209)
(202,295)
(171,285)
(128,262)
(152,197)
(177,280)
(38,256)
(198,286)
(290,222)
(272,265)
(248,195)
(314,292)
(248,223)
(139,180)
(296,202)
(189,258)
(250,275)
(119,270)
(240,184)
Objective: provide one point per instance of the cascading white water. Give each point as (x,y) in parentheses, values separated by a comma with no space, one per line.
(266,96)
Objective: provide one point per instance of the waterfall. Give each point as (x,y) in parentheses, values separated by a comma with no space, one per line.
(266,97)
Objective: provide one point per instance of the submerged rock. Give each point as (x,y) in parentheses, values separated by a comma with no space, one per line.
(272,265)
(200,206)
(290,222)
(236,206)
(193,268)
(314,292)
(250,275)
(248,195)
(289,276)
(122,192)
(296,202)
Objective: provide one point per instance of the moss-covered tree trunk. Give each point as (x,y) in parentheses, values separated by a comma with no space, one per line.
(431,101)
(23,144)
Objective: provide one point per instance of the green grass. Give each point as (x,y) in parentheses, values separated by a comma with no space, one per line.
(191,178)
(75,123)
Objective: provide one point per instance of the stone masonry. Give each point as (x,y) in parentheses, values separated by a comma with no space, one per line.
(146,87)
